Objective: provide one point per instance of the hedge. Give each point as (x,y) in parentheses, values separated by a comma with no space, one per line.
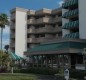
(45,71)
(79,74)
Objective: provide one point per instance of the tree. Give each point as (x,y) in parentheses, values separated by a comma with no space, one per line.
(3,22)
(6,47)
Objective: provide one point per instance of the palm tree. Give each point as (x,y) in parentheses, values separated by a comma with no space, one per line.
(3,22)
(6,47)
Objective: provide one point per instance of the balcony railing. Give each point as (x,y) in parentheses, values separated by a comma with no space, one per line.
(69,3)
(43,11)
(72,35)
(12,35)
(58,29)
(43,39)
(44,20)
(13,16)
(57,19)
(31,30)
(45,30)
(71,25)
(70,13)
(32,40)
(31,21)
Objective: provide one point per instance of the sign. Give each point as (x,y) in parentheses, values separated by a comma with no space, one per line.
(66,74)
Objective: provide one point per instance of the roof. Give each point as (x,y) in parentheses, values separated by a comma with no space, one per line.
(13,56)
(57,46)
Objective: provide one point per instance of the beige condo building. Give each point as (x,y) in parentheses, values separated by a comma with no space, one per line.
(30,28)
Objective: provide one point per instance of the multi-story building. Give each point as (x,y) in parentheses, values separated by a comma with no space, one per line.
(68,51)
(59,35)
(30,28)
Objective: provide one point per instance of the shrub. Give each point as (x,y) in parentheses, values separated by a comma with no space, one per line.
(45,71)
(77,74)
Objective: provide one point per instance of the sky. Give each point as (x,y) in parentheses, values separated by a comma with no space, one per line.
(7,5)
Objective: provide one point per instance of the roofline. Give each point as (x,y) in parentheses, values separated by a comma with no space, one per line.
(18,9)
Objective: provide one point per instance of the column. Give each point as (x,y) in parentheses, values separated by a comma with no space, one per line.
(57,62)
(41,60)
(51,61)
(33,60)
(46,61)
(37,60)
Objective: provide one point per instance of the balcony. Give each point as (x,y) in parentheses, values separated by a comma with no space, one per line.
(31,13)
(70,3)
(58,19)
(12,35)
(13,16)
(32,40)
(57,11)
(43,20)
(12,27)
(43,39)
(72,35)
(47,29)
(70,14)
(31,21)
(71,25)
(31,30)
(58,29)
(43,11)
(12,45)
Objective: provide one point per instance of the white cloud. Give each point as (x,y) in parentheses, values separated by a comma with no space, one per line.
(60,3)
(6,30)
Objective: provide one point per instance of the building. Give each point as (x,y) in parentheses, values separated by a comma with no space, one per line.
(56,38)
(29,28)
(65,52)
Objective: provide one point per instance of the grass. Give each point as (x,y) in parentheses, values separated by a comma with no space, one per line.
(17,77)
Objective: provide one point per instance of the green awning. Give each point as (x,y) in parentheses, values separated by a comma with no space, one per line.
(69,3)
(71,25)
(70,13)
(13,56)
(72,35)
(56,46)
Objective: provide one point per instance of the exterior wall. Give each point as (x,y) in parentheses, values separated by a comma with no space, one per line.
(20,32)
(82,19)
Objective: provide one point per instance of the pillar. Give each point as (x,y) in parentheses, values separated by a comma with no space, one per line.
(41,60)
(51,61)
(57,62)
(37,60)
(33,60)
(46,61)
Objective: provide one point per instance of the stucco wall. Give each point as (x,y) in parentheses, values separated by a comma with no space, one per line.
(20,32)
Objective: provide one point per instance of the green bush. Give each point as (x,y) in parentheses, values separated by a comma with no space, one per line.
(45,71)
(80,74)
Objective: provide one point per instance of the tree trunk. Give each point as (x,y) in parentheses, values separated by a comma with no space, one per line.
(1,45)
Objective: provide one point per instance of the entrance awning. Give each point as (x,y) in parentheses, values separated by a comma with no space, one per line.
(13,56)
(63,47)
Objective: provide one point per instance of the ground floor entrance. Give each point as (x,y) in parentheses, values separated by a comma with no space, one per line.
(57,61)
